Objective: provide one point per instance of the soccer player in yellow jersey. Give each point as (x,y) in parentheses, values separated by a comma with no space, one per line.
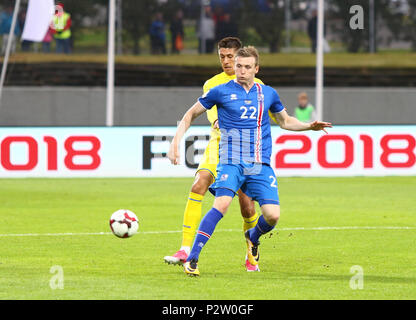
(207,170)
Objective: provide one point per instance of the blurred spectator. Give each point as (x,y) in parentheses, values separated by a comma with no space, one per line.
(313,32)
(177,33)
(157,35)
(206,31)
(218,14)
(225,27)
(226,5)
(26,45)
(264,6)
(312,29)
(46,43)
(6,18)
(61,27)
(305,111)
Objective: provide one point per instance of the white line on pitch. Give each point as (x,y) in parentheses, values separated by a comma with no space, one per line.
(219,230)
(54,234)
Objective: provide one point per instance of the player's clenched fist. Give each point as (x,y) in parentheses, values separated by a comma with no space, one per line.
(173,153)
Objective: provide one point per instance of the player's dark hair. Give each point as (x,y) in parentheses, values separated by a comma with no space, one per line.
(230,43)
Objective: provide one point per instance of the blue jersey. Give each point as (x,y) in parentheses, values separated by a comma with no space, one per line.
(243,120)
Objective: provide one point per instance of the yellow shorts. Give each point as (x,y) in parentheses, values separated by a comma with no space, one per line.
(211,158)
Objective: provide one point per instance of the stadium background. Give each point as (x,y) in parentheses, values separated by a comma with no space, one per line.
(156,89)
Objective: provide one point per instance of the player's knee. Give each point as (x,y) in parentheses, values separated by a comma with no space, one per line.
(221,206)
(199,188)
(202,182)
(271,214)
(222,203)
(274,218)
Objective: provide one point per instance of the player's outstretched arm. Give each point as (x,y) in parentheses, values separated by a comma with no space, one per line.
(291,123)
(195,111)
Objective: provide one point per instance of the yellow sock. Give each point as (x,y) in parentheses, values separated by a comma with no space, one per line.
(250,222)
(191,218)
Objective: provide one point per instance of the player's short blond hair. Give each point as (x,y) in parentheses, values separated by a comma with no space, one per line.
(247,52)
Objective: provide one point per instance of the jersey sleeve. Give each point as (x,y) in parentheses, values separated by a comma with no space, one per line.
(209,98)
(276,105)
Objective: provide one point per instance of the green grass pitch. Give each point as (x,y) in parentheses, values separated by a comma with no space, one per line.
(327,226)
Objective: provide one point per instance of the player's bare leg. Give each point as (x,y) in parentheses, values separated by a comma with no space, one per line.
(203,179)
(250,216)
(247,206)
(192,216)
(222,204)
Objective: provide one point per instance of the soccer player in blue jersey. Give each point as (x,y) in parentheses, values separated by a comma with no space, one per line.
(245,150)
(207,170)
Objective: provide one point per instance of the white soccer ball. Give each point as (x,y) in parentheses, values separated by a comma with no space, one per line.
(124,223)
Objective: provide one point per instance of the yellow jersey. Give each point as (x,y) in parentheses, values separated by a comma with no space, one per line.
(216,80)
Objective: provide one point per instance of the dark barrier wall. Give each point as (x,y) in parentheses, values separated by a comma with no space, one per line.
(72,106)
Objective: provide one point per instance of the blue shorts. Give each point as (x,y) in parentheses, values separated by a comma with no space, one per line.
(257,181)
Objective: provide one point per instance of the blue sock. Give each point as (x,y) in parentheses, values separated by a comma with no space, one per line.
(261,228)
(204,232)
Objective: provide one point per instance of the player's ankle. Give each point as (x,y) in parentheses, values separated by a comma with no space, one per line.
(186,249)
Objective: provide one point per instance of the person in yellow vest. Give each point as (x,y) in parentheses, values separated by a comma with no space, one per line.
(305,111)
(61,26)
